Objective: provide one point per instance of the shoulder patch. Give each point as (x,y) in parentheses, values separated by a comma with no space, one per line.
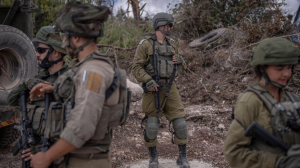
(94,82)
(141,42)
(172,40)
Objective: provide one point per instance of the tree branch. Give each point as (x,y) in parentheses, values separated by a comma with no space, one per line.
(114,47)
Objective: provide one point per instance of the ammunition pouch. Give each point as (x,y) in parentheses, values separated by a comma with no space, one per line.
(55,121)
(36,115)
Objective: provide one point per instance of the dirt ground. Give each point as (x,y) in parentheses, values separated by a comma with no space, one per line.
(207,126)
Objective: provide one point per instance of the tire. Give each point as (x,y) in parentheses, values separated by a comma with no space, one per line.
(8,135)
(17,58)
(211,37)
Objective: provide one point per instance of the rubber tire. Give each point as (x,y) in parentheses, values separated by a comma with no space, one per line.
(17,56)
(8,135)
(211,37)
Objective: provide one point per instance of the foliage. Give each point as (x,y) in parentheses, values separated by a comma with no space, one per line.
(6,2)
(200,16)
(125,34)
(51,8)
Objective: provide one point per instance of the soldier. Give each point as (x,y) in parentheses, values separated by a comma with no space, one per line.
(166,52)
(50,57)
(274,61)
(93,93)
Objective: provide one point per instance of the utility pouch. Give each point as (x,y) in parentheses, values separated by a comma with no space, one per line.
(55,121)
(36,115)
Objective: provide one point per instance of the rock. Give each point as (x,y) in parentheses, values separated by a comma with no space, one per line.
(165,133)
(136,91)
(246,79)
(221,126)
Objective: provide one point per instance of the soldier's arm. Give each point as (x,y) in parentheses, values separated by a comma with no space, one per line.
(175,45)
(140,60)
(236,147)
(91,85)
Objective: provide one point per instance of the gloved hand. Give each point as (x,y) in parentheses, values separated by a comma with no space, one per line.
(291,160)
(151,84)
(178,59)
(30,83)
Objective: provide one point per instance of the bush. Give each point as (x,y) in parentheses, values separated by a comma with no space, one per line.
(125,34)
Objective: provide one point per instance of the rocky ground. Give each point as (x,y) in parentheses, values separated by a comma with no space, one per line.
(207,126)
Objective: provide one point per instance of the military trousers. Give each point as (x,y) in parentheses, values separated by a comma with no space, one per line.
(172,109)
(85,163)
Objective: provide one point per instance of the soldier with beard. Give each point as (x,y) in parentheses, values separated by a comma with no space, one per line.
(50,55)
(93,92)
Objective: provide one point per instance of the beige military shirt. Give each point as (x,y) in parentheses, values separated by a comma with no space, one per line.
(92,80)
(142,58)
(249,108)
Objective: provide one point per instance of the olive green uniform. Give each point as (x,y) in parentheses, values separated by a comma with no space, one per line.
(85,128)
(237,151)
(173,107)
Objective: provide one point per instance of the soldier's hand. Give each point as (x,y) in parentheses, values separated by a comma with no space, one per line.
(40,90)
(40,160)
(177,59)
(151,85)
(26,154)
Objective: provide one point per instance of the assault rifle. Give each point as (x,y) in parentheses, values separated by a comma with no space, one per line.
(25,131)
(257,131)
(45,142)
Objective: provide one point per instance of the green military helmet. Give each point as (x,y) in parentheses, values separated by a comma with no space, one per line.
(275,51)
(82,20)
(47,36)
(161,19)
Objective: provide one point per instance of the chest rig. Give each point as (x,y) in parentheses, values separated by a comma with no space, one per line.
(36,109)
(164,62)
(111,116)
(285,115)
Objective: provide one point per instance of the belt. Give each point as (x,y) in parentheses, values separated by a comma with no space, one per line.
(91,156)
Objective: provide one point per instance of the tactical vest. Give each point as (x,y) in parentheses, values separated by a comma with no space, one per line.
(111,116)
(164,63)
(285,119)
(35,110)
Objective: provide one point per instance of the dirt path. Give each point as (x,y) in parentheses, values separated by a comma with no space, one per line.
(167,163)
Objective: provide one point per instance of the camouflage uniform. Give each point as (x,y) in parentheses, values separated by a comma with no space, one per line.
(172,108)
(244,152)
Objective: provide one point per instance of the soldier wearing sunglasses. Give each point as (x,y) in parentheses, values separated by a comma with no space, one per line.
(156,63)
(50,55)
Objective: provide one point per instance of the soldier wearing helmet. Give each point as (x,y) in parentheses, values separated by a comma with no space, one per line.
(269,104)
(164,50)
(91,93)
(50,57)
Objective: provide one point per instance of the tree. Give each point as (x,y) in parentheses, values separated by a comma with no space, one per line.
(136,9)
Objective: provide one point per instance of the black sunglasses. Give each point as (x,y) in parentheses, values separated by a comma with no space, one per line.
(170,24)
(41,50)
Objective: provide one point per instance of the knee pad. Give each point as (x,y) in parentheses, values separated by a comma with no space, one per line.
(151,127)
(179,125)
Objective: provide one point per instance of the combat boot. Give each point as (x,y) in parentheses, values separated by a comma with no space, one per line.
(153,163)
(182,158)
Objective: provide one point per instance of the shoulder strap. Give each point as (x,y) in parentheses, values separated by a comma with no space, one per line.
(293,98)
(115,84)
(264,95)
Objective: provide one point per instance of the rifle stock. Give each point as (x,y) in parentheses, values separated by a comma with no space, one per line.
(257,131)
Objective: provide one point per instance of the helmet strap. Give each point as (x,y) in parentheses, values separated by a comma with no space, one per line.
(166,32)
(80,48)
(268,80)
(46,63)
